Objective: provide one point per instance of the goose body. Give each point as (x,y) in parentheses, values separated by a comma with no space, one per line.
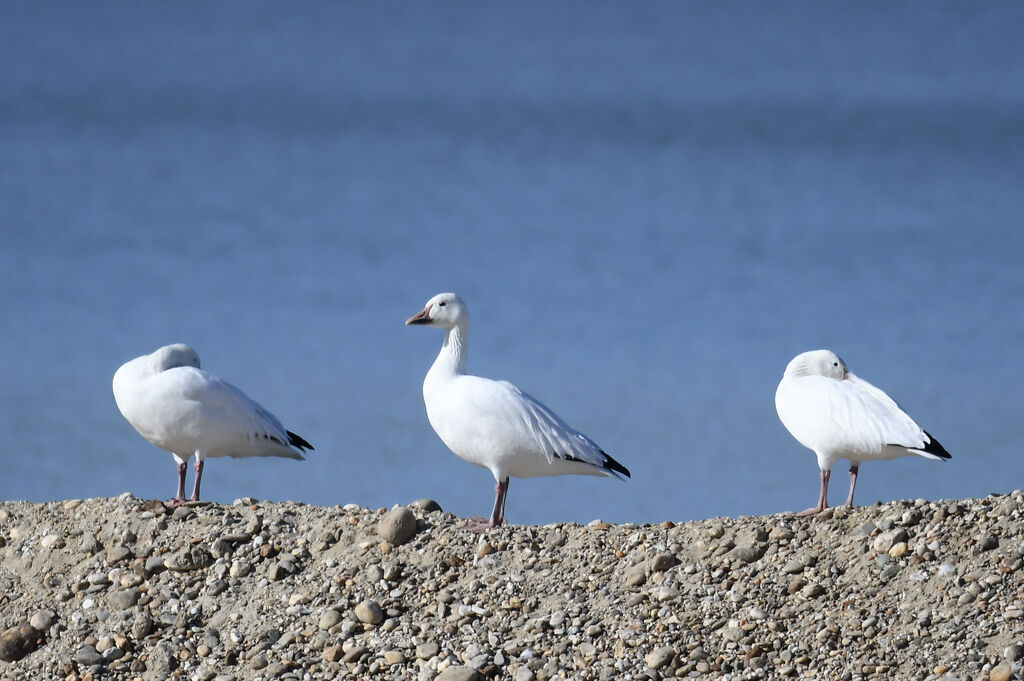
(179,407)
(494,424)
(837,415)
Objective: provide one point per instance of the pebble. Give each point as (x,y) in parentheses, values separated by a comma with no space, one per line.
(1001,672)
(329,618)
(369,611)
(426,651)
(659,657)
(88,656)
(51,541)
(662,562)
(43,620)
(397,526)
(19,641)
(116,554)
(426,505)
(122,600)
(458,673)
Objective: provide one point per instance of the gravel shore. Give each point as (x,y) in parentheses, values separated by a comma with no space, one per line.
(130,589)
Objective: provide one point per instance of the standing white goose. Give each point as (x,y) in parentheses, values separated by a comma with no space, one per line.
(839,416)
(494,424)
(179,407)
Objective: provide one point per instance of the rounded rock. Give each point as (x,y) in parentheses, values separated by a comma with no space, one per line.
(397,526)
(369,612)
(1001,672)
(458,673)
(42,620)
(328,619)
(426,505)
(659,657)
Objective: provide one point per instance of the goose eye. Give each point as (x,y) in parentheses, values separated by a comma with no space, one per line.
(442,304)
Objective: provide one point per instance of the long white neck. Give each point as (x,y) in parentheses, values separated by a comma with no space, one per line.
(452,358)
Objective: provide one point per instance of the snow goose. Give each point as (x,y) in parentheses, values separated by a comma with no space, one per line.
(839,416)
(494,424)
(179,407)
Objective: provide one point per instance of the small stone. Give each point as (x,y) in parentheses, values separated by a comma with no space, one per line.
(988,542)
(1001,672)
(794,567)
(142,626)
(426,505)
(155,565)
(355,653)
(524,673)
(115,554)
(275,669)
(19,641)
(898,549)
(240,568)
(122,600)
(426,651)
(458,673)
(43,620)
(182,513)
(221,548)
(193,558)
(397,526)
(90,544)
(277,572)
(636,576)
(328,619)
(394,657)
(662,562)
(51,541)
(887,540)
(485,549)
(1014,652)
(369,612)
(333,654)
(749,554)
(88,656)
(659,657)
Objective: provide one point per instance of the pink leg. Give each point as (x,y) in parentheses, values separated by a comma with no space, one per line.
(180,496)
(853,483)
(199,477)
(822,496)
(497,513)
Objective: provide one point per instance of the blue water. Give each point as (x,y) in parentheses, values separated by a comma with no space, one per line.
(649,207)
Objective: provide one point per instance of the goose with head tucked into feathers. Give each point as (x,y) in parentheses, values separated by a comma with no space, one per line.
(179,407)
(839,416)
(494,424)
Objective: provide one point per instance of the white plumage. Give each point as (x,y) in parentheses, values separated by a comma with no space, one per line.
(839,416)
(179,407)
(494,424)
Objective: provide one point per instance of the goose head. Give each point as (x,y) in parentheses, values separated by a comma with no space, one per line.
(176,355)
(445,310)
(817,363)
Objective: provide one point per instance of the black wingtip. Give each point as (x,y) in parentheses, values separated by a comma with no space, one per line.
(934,448)
(613,465)
(297,441)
